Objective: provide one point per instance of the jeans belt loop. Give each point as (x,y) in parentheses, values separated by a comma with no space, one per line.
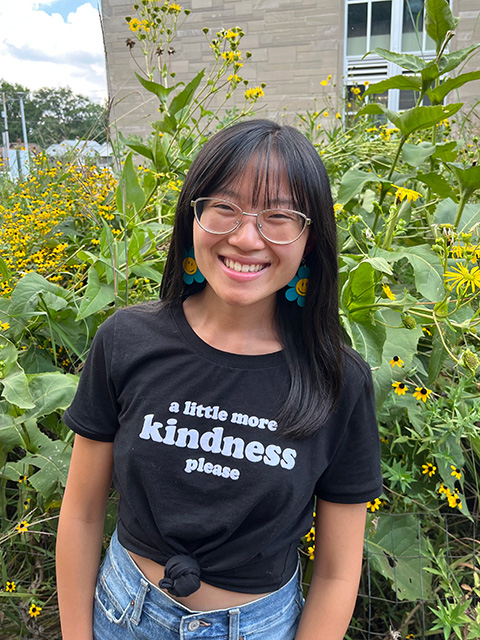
(138,602)
(233,624)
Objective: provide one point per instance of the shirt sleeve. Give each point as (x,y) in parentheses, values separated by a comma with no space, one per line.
(354,474)
(94,411)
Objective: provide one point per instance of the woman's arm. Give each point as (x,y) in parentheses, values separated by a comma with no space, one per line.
(339,532)
(80,532)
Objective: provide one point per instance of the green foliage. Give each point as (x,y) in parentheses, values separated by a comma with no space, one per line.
(53,115)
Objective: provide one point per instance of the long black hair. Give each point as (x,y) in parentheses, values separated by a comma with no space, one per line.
(311,337)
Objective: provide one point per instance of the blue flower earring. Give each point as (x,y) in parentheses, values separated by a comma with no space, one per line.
(297,287)
(191,272)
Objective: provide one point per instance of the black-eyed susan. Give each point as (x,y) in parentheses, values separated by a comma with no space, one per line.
(10,586)
(402,193)
(429,468)
(22,526)
(34,610)
(375,505)
(455,472)
(400,388)
(396,360)
(422,393)
(310,537)
(311,552)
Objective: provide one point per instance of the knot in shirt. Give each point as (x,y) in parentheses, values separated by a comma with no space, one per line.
(182,576)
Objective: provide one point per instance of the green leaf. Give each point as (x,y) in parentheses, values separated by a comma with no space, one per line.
(446,211)
(353,182)
(420,118)
(438,94)
(401,342)
(446,151)
(428,270)
(97,296)
(25,296)
(450,61)
(438,184)
(437,357)
(144,270)
(378,109)
(416,154)
(358,294)
(141,149)
(168,124)
(50,392)
(159,90)
(185,96)
(159,155)
(367,339)
(413,83)
(439,20)
(404,60)
(4,271)
(15,384)
(393,551)
(129,191)
(469,179)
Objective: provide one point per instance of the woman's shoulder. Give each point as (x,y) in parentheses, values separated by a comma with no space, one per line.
(127,321)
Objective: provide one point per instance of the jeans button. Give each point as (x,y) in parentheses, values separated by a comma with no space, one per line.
(193,625)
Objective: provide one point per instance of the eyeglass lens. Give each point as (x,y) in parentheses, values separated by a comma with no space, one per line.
(276,225)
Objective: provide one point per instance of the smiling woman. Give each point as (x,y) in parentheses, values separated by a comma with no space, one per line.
(226,411)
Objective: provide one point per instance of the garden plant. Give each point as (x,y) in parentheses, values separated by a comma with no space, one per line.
(78,242)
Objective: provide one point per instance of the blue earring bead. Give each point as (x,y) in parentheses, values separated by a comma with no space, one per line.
(297,287)
(191,272)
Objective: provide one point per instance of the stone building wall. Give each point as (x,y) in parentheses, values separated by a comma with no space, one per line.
(295,46)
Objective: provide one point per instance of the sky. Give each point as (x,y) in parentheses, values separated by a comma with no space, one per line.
(53,43)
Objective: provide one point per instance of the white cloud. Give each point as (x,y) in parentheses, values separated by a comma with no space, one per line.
(42,50)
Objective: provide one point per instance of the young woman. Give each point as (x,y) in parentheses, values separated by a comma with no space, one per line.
(224,411)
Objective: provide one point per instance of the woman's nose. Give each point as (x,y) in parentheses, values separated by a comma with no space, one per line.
(247,236)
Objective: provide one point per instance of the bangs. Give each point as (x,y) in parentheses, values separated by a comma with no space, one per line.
(269,161)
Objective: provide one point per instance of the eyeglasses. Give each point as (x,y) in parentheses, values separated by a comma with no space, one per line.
(280,226)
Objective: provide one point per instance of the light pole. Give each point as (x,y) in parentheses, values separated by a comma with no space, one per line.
(5,139)
(24,129)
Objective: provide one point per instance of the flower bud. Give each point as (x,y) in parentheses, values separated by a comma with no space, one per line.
(408,321)
(470,360)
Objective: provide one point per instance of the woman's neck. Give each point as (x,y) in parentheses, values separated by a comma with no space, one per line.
(243,330)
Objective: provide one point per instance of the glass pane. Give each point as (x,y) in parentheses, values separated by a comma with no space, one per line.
(357,29)
(381,21)
(408,99)
(412,34)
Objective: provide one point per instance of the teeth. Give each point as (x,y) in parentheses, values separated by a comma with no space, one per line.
(243,268)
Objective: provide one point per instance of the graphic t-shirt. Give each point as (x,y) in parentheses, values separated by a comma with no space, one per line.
(199,464)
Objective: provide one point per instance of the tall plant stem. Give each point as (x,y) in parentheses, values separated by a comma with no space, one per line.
(461,207)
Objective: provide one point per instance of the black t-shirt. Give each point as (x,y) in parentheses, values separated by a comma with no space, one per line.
(199,464)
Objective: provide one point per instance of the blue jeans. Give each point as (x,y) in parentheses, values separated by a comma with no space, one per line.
(128,606)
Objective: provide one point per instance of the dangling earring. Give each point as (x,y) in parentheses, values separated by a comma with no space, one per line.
(297,288)
(191,272)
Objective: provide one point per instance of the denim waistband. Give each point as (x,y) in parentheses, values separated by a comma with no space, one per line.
(148,598)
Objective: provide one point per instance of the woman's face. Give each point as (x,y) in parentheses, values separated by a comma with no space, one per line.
(224,259)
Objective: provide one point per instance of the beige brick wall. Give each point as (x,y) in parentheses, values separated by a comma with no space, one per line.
(468,33)
(294,46)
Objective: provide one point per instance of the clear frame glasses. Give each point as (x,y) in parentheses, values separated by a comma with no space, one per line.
(220,217)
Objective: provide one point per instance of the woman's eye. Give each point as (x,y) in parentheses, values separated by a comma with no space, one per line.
(279,216)
(222,207)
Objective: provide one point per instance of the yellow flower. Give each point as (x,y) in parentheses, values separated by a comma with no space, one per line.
(338,208)
(422,393)
(232,56)
(455,472)
(254,93)
(10,586)
(325,113)
(356,91)
(460,276)
(400,388)
(34,610)
(325,82)
(22,479)
(4,326)
(174,8)
(388,292)
(134,24)
(338,116)
(95,241)
(456,251)
(366,83)
(396,360)
(402,194)
(22,526)
(234,78)
(429,468)
(375,505)
(310,535)
(442,489)
(311,552)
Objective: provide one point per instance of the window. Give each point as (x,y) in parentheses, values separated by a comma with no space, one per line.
(397,25)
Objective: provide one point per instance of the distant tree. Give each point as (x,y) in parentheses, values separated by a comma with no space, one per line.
(53,115)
